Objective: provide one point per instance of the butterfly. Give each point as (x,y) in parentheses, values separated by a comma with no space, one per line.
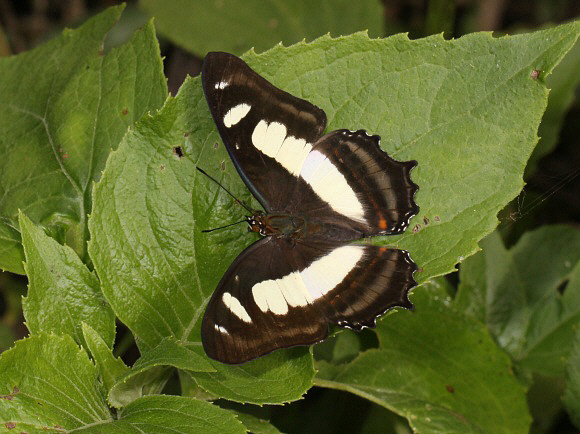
(320,192)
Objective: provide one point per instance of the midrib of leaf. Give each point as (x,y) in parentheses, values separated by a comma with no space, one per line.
(71,402)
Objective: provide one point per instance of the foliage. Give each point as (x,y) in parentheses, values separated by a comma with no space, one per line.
(90,152)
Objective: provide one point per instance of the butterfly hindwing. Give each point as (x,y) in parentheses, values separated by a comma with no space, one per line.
(349,171)
(279,293)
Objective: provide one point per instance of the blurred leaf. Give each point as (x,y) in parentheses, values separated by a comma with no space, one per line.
(545,402)
(439,368)
(440,16)
(62,292)
(472,286)
(110,368)
(531,295)
(562,83)
(466,109)
(571,397)
(49,384)
(63,106)
(238,25)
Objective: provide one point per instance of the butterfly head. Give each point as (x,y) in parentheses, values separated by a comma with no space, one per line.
(256,223)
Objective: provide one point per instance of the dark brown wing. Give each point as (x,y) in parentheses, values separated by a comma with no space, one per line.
(349,171)
(281,293)
(244,105)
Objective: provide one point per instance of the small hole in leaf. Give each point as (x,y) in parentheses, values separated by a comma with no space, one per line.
(215,145)
(178,152)
(223,166)
(562,286)
(416,228)
(437,218)
(426,220)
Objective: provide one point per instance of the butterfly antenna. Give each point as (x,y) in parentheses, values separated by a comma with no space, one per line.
(228,192)
(223,227)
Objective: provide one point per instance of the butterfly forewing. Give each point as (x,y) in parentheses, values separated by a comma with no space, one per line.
(267,131)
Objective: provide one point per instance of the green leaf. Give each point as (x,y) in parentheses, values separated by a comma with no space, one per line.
(439,368)
(531,296)
(63,106)
(466,109)
(175,414)
(49,385)
(110,368)
(62,292)
(562,84)
(571,396)
(151,368)
(281,377)
(472,286)
(258,23)
(256,425)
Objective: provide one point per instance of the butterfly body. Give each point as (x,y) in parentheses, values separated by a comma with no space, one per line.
(319,193)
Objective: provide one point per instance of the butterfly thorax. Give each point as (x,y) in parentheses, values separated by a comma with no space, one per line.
(281,225)
(294,227)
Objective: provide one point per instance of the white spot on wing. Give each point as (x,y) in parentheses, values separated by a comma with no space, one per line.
(234,305)
(269,297)
(222,85)
(220,329)
(292,154)
(324,274)
(236,114)
(304,287)
(331,185)
(272,140)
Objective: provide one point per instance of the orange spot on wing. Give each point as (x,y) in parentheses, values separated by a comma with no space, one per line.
(382,222)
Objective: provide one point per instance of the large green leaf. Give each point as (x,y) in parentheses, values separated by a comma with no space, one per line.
(238,25)
(63,106)
(437,367)
(49,383)
(466,109)
(529,295)
(62,292)
(174,414)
